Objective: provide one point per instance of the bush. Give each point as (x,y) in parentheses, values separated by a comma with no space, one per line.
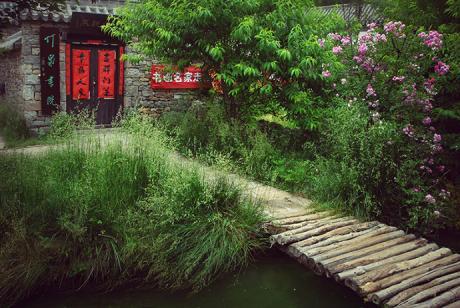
(206,133)
(12,124)
(64,125)
(191,230)
(394,74)
(117,214)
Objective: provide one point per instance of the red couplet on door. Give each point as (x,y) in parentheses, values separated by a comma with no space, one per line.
(106,73)
(80,74)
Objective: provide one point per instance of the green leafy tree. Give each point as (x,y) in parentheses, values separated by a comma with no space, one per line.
(265,53)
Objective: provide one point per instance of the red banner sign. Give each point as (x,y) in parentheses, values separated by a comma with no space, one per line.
(106,73)
(190,78)
(80,74)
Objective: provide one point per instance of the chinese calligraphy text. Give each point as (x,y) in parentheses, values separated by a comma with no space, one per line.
(49,70)
(80,74)
(190,78)
(106,73)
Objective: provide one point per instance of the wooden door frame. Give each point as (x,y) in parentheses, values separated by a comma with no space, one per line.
(94,46)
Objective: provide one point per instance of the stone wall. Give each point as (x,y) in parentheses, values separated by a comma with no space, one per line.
(139,94)
(11,76)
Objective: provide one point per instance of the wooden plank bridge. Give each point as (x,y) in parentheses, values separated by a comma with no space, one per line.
(382,264)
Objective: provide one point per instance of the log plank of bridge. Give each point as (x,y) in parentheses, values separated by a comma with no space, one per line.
(381,263)
(409,293)
(355,276)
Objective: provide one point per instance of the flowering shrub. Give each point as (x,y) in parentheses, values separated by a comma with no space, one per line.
(396,73)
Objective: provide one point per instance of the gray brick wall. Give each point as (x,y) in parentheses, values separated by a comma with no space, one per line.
(138,92)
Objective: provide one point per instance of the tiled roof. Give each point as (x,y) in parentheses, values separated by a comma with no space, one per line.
(364,13)
(6,9)
(64,15)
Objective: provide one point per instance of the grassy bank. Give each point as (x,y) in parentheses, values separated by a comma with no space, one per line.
(347,165)
(111,214)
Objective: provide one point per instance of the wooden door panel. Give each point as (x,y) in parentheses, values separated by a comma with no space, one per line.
(95,81)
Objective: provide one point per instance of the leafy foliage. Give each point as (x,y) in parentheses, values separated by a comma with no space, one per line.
(264,53)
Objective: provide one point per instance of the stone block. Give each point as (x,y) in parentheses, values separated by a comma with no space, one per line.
(35,107)
(35,51)
(132,90)
(29,115)
(132,72)
(28,93)
(32,79)
(31,60)
(146,93)
(27,68)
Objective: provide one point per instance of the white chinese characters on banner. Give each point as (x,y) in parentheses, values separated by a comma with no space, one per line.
(176,77)
(189,78)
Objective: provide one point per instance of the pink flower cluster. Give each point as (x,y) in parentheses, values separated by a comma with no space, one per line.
(362,49)
(380,37)
(370,90)
(441,68)
(437,138)
(432,39)
(398,78)
(335,36)
(372,26)
(321,42)
(430,199)
(409,130)
(337,50)
(346,40)
(395,27)
(429,86)
(426,121)
(415,91)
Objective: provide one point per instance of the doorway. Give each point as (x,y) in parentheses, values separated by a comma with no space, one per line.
(95,80)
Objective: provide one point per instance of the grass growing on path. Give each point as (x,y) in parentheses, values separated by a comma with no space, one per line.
(116,214)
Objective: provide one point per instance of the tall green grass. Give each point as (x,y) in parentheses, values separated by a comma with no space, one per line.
(117,212)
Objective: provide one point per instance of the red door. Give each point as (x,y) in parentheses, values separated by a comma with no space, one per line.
(94,81)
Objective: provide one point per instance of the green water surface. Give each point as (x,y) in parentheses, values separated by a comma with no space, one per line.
(274,281)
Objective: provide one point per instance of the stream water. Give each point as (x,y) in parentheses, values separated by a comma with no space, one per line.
(272,281)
